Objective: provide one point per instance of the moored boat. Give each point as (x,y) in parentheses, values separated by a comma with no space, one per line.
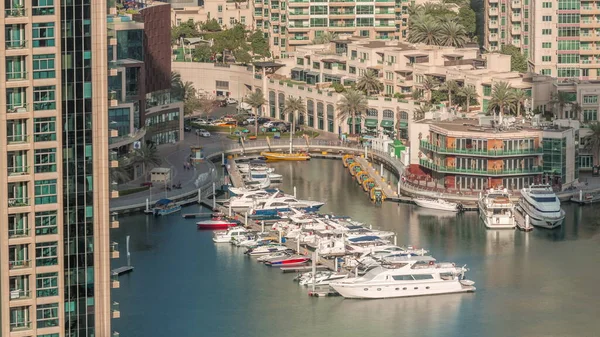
(288,261)
(542,205)
(165,207)
(285,156)
(217,223)
(496,210)
(438,204)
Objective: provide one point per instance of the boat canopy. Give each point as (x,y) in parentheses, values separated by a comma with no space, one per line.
(163,202)
(364,238)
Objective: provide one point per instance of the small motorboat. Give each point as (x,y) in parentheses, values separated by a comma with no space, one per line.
(323,278)
(285,156)
(288,261)
(217,223)
(265,250)
(438,204)
(273,256)
(165,207)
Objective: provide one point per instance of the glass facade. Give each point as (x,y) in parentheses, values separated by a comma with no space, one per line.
(120,119)
(555,158)
(78,200)
(130,44)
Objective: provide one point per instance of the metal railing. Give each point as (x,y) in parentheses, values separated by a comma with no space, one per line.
(428,146)
(18,170)
(18,294)
(489,172)
(18,233)
(19,264)
(16,44)
(16,75)
(18,326)
(18,202)
(15,12)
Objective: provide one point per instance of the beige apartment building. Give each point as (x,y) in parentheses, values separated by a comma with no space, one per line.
(227,13)
(54,266)
(560,37)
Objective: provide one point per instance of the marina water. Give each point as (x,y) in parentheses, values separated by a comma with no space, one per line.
(543,283)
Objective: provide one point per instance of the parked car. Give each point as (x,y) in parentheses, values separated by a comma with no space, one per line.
(269,124)
(202,133)
(147,183)
(230,100)
(223,103)
(187,128)
(262,120)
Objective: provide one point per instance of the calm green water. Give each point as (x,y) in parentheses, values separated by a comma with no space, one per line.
(543,283)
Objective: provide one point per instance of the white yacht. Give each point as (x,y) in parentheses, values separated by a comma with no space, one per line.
(250,199)
(231,233)
(438,204)
(542,206)
(413,276)
(496,210)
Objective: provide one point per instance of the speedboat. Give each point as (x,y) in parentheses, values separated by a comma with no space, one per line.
(264,250)
(496,210)
(258,175)
(322,278)
(230,234)
(285,156)
(438,204)
(217,223)
(254,165)
(258,183)
(413,276)
(288,261)
(277,204)
(542,206)
(273,256)
(249,199)
(165,207)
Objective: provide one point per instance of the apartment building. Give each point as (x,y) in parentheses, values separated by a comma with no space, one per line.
(561,38)
(227,13)
(54,267)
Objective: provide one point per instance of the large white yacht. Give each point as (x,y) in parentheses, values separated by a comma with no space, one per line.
(542,205)
(496,210)
(412,276)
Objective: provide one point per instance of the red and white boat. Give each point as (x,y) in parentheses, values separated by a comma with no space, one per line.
(288,261)
(217,223)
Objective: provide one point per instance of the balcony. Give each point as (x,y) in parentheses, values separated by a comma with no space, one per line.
(18,294)
(515,17)
(114,221)
(115,142)
(16,233)
(15,12)
(14,108)
(489,172)
(114,250)
(493,11)
(16,76)
(16,44)
(17,139)
(493,37)
(113,99)
(20,326)
(481,153)
(116,313)
(493,24)
(515,30)
(114,281)
(516,3)
(19,264)
(18,202)
(18,170)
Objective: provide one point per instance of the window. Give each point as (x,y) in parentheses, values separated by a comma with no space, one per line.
(300,61)
(220,20)
(361,9)
(547,72)
(547,18)
(231,20)
(546,4)
(568,72)
(372,112)
(46,223)
(402,277)
(316,65)
(388,114)
(44,98)
(243,20)
(546,31)
(547,58)
(44,129)
(45,191)
(569,31)
(47,284)
(590,99)
(46,254)
(590,115)
(47,315)
(45,160)
(352,70)
(569,4)
(222,85)
(318,22)
(43,66)
(487,90)
(42,7)
(43,34)
(318,10)
(364,22)
(568,18)
(568,58)
(220,8)
(546,45)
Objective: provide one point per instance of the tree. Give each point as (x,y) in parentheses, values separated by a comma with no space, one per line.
(119,174)
(468,92)
(146,155)
(294,106)
(429,83)
(184,30)
(211,25)
(176,86)
(352,105)
(593,141)
(256,100)
(420,111)
(451,87)
(560,99)
(369,83)
(424,29)
(520,97)
(325,38)
(202,53)
(259,45)
(502,99)
(576,110)
(452,34)
(468,19)
(518,61)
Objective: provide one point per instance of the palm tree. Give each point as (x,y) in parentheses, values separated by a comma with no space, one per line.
(176,85)
(468,92)
(520,97)
(424,29)
(452,34)
(146,155)
(576,110)
(369,83)
(413,9)
(561,99)
(502,99)
(352,105)
(324,38)
(119,174)
(256,101)
(429,83)
(421,110)
(293,106)
(593,141)
(450,86)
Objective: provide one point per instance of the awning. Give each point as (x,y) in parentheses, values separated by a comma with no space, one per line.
(416,55)
(298,69)
(356,122)
(371,122)
(386,123)
(312,73)
(403,125)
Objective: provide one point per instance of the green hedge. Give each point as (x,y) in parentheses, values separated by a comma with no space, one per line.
(133,190)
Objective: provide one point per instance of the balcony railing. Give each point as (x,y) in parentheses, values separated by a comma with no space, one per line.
(19,264)
(18,294)
(18,233)
(14,139)
(15,12)
(16,75)
(16,44)
(488,172)
(17,108)
(18,170)
(18,202)
(476,152)
(19,326)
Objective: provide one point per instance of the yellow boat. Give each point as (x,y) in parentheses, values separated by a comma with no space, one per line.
(355,168)
(368,184)
(285,156)
(347,160)
(377,194)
